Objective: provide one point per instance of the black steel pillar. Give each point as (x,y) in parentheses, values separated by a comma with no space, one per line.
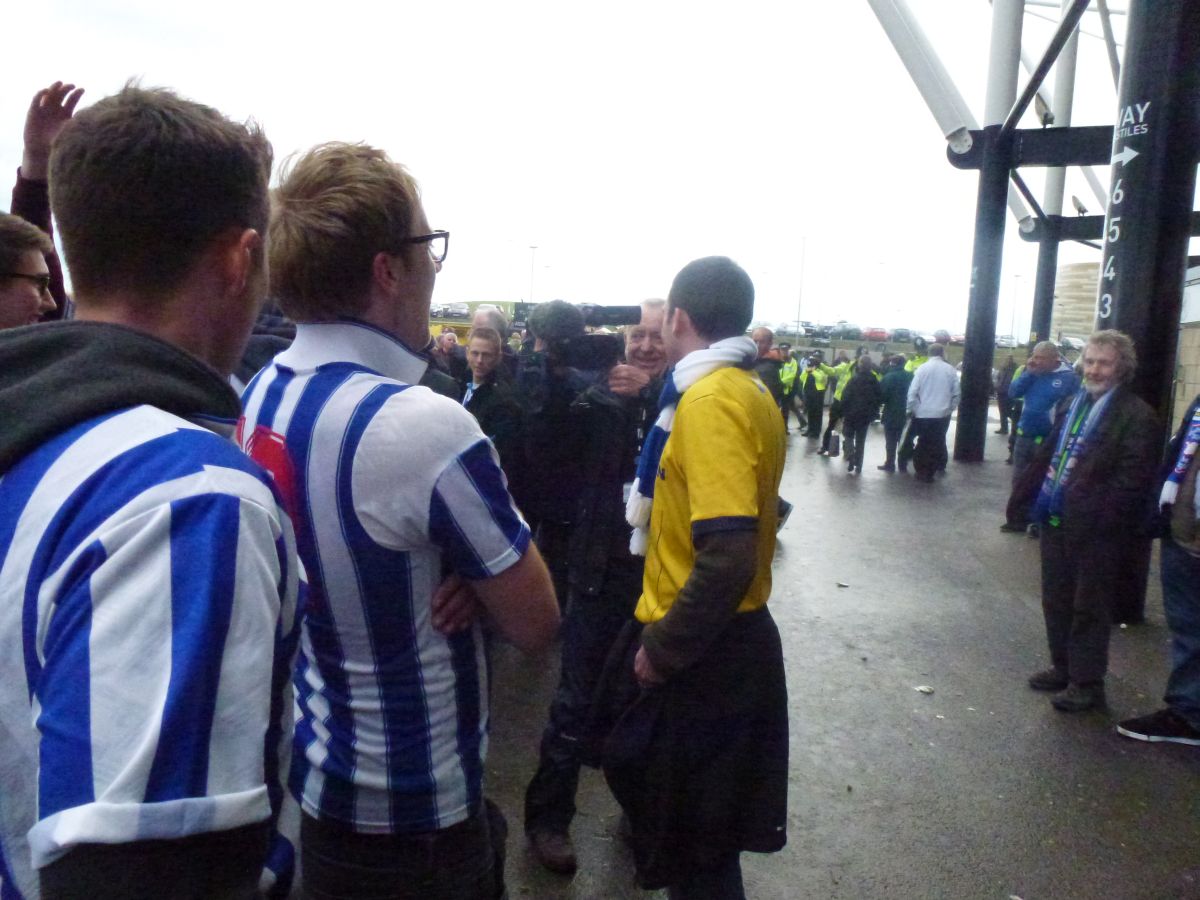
(1047,276)
(986,258)
(1153,186)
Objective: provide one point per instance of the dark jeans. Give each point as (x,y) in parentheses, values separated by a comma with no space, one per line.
(1005,407)
(590,626)
(835,416)
(1024,448)
(462,862)
(929,452)
(1181,602)
(856,441)
(814,411)
(223,865)
(722,881)
(892,432)
(1078,574)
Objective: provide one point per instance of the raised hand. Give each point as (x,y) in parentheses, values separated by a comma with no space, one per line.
(50,110)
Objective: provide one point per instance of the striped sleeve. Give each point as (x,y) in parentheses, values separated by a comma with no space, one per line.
(472,518)
(147,709)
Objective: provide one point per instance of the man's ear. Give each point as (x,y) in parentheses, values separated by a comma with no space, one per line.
(240,256)
(680,322)
(387,270)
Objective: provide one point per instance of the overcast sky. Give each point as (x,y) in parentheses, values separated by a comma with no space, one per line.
(622,140)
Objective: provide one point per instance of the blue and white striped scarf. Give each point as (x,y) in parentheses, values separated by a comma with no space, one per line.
(1074,442)
(1187,450)
(736,351)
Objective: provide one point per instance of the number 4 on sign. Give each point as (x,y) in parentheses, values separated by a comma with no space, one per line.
(1110,268)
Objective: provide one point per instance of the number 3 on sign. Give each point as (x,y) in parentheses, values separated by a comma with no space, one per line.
(1106,306)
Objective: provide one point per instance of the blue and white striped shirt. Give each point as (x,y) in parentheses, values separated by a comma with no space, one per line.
(392,488)
(148,593)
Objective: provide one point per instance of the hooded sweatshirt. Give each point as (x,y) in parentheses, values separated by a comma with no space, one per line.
(148,594)
(1042,392)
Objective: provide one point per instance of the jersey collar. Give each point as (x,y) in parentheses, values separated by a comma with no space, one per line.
(348,340)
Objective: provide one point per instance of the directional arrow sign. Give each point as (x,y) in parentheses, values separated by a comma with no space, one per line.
(1126,154)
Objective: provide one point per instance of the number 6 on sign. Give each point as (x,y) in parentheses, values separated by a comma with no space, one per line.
(1106,306)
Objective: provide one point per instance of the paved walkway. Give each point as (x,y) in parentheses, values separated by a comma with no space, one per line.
(978,790)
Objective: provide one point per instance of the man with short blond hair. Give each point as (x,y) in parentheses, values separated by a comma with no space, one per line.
(400,499)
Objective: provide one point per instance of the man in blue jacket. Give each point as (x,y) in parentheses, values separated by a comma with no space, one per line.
(1046,381)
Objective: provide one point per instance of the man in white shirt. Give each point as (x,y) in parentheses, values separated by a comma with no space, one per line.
(932,397)
(397,492)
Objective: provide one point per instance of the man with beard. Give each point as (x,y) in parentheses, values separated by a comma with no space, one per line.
(606,426)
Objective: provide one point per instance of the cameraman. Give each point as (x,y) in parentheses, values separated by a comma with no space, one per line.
(603,433)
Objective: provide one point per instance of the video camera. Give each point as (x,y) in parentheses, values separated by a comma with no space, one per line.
(562,326)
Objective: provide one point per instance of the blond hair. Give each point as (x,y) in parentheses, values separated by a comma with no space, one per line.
(336,207)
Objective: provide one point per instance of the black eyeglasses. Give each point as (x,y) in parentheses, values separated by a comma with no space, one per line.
(438,241)
(42,281)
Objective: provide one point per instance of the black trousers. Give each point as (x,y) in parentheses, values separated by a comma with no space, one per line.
(1079,576)
(929,454)
(814,411)
(219,865)
(462,862)
(835,416)
(855,443)
(589,628)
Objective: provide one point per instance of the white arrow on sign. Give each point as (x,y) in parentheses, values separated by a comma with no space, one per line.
(1126,154)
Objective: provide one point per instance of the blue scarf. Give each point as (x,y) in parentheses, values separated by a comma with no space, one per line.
(1073,442)
(1187,450)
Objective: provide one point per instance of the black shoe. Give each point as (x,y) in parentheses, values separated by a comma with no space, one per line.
(1165,725)
(925,479)
(902,468)
(554,851)
(1080,697)
(886,468)
(1000,431)
(1010,528)
(1034,531)
(1008,462)
(1049,680)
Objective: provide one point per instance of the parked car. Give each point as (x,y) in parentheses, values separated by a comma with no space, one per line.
(902,335)
(941,336)
(1006,341)
(846,332)
(457,311)
(958,339)
(875,333)
(1071,343)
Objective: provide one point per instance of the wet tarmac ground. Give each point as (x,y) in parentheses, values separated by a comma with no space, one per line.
(979,789)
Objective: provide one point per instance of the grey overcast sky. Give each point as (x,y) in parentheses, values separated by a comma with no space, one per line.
(621,140)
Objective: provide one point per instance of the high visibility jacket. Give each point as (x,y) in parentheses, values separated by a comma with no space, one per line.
(843,371)
(820,376)
(788,373)
(915,363)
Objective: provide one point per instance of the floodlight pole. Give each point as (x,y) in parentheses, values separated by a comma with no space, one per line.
(987,256)
(1052,202)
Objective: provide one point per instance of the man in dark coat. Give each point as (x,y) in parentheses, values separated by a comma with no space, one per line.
(1095,495)
(860,404)
(894,389)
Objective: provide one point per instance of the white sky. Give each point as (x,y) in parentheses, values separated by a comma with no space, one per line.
(623,139)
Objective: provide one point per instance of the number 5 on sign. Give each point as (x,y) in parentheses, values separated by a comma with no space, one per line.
(1105,306)
(1114,230)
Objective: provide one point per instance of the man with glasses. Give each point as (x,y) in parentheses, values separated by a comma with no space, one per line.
(24,275)
(400,500)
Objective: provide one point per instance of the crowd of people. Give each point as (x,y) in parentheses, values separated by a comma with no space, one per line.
(254,551)
(246,633)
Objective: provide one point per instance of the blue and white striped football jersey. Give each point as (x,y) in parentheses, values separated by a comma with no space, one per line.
(148,623)
(392,487)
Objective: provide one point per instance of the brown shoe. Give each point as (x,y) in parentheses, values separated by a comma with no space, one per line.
(554,851)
